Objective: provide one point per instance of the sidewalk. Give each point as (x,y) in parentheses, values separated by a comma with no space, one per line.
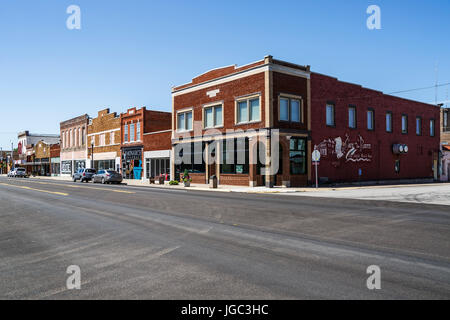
(325,191)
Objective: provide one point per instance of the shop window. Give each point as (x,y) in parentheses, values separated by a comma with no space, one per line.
(297,156)
(235,156)
(196,163)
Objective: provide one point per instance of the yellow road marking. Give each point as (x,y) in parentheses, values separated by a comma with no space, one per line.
(84,187)
(33,189)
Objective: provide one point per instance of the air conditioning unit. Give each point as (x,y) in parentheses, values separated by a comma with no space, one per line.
(399,148)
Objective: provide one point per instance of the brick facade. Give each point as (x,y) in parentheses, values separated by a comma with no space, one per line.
(73,144)
(352,154)
(142,132)
(104,138)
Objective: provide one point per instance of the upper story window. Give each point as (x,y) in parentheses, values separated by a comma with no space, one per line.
(370,120)
(418,126)
(132,138)
(352,117)
(404,123)
(330,115)
(83,136)
(290,109)
(184,121)
(389,122)
(212,116)
(248,110)
(445,122)
(138,131)
(432,132)
(125,135)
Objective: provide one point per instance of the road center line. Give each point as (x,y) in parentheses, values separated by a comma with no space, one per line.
(33,189)
(84,187)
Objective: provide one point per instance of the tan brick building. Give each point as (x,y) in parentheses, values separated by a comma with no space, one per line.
(103,141)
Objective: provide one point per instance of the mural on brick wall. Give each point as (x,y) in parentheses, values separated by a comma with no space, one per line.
(345,150)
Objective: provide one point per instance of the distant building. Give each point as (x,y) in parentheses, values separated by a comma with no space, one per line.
(445,144)
(73,144)
(26,138)
(104,141)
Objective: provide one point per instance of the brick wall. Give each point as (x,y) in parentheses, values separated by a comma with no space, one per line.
(360,148)
(158,141)
(104,123)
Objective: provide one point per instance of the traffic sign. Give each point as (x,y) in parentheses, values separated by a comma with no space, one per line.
(316,156)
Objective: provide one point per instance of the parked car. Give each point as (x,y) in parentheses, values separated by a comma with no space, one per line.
(107,176)
(84,175)
(18,172)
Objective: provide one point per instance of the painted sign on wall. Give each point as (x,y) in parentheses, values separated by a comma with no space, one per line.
(346,149)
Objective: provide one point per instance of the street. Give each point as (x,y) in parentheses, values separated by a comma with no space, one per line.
(149,243)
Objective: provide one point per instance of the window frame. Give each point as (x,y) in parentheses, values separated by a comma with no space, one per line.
(370,110)
(433,132)
(212,106)
(419,128)
(391,122)
(247,99)
(185,111)
(333,105)
(125,133)
(305,156)
(352,107)
(132,133)
(404,116)
(290,98)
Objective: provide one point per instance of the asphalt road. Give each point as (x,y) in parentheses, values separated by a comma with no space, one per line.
(147,243)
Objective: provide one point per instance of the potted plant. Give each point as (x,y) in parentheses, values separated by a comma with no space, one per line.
(186,179)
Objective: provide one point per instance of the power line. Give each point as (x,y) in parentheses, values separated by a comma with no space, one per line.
(424,88)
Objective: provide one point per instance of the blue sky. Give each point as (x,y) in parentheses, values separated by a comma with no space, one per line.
(130,53)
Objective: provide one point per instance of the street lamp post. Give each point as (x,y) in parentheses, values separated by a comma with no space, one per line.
(92,155)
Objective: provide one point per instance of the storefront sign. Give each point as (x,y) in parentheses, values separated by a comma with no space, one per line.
(66,167)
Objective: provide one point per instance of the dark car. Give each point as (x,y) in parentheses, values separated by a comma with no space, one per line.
(84,175)
(107,176)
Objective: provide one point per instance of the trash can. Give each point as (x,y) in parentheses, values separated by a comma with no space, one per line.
(213,182)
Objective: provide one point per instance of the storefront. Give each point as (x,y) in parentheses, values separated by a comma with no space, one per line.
(105,164)
(132,163)
(55,164)
(157,163)
(66,167)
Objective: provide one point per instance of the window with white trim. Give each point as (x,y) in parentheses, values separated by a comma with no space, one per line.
(212,116)
(125,136)
(184,121)
(132,132)
(248,110)
(290,110)
(138,131)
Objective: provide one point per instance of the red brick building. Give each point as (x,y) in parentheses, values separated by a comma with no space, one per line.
(255,102)
(145,143)
(258,124)
(356,129)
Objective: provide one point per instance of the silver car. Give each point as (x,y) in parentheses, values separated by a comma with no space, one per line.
(18,172)
(107,176)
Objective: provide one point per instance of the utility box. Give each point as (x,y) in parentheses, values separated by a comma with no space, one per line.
(213,182)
